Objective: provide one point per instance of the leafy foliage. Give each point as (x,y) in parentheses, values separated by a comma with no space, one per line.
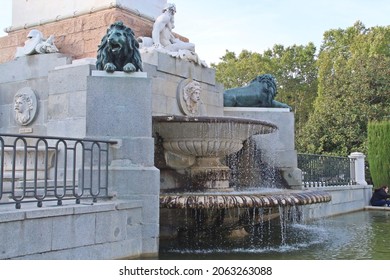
(353,88)
(333,94)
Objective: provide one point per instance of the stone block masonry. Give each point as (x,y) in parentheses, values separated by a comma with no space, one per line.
(167,73)
(78,37)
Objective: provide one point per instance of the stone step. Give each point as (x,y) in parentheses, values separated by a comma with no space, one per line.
(386,208)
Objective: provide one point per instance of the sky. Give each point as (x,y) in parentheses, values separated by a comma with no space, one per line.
(215,26)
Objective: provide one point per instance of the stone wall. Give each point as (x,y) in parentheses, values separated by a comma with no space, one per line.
(110,230)
(32,72)
(167,73)
(73,102)
(344,199)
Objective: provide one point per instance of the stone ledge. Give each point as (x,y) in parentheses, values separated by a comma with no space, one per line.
(165,63)
(9,214)
(340,188)
(78,62)
(256,109)
(31,67)
(120,74)
(12,216)
(385,208)
(128,205)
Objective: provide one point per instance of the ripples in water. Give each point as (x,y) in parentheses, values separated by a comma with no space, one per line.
(358,235)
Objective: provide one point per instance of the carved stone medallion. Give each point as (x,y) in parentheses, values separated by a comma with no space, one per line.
(188,97)
(25,106)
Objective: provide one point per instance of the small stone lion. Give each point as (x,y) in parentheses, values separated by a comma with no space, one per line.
(260,92)
(118,50)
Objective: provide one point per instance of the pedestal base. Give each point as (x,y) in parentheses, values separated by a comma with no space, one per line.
(210,174)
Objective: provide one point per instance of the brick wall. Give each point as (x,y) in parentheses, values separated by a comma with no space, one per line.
(80,36)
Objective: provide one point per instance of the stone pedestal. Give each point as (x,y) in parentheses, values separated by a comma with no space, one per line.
(120,107)
(358,168)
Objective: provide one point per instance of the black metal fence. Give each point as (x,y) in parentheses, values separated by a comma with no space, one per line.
(43,168)
(321,170)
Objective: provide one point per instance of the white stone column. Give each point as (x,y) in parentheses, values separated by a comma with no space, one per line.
(358,168)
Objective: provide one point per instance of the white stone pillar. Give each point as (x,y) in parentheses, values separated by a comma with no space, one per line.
(358,171)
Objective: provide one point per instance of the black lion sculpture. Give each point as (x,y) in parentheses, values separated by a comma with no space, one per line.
(260,92)
(118,50)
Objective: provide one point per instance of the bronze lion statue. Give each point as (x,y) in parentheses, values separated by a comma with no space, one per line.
(118,50)
(260,92)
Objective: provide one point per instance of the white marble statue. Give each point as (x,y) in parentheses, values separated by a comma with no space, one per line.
(36,44)
(162,31)
(163,39)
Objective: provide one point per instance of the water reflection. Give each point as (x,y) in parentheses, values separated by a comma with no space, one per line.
(358,235)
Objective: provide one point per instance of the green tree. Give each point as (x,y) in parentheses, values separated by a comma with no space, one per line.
(353,88)
(296,72)
(378,152)
(236,71)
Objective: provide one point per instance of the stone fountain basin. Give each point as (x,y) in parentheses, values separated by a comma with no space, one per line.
(228,215)
(207,136)
(241,200)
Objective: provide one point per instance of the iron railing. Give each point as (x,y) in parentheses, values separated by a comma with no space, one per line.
(321,170)
(44,168)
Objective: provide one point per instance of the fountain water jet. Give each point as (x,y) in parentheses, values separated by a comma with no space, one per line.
(209,205)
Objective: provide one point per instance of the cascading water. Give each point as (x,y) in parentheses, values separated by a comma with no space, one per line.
(202,142)
(248,171)
(211,190)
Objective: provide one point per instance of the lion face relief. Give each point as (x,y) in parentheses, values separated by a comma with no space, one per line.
(118,50)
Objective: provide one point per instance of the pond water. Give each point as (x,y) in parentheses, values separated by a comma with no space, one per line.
(357,235)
